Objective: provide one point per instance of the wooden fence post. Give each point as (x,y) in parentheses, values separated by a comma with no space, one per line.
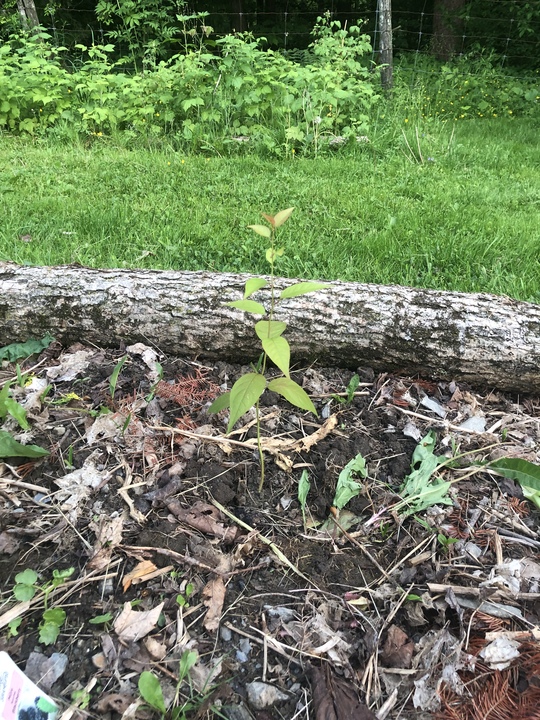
(384,8)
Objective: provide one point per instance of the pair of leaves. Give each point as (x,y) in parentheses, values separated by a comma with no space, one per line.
(49,629)
(275,221)
(255,284)
(247,390)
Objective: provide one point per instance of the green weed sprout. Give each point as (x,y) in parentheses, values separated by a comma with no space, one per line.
(247,390)
(25,589)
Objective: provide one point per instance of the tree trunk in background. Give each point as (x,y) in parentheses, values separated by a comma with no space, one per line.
(484,339)
(447,28)
(27,11)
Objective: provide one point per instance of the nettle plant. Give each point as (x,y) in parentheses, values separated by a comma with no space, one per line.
(248,389)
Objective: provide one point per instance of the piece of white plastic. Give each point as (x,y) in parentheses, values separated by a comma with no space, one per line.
(19,696)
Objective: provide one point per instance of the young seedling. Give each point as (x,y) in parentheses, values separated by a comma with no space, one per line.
(303,490)
(247,390)
(354,382)
(27,587)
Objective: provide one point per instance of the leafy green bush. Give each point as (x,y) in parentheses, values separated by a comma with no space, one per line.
(197,97)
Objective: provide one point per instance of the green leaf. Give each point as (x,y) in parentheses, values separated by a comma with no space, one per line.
(244,394)
(347,487)
(282,216)
(151,692)
(23,592)
(113,380)
(525,472)
(59,576)
(27,577)
(248,306)
(4,395)
(354,382)
(293,393)
(220,403)
(9,447)
(302,288)
(253,285)
(17,411)
(279,352)
(48,633)
(303,489)
(261,230)
(531,494)
(101,619)
(15,351)
(187,661)
(57,616)
(270,328)
(13,626)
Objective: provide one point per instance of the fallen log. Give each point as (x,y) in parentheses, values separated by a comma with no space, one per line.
(484,339)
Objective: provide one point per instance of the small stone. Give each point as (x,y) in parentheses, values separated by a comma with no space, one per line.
(261,695)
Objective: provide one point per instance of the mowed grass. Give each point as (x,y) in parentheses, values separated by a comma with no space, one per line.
(454,207)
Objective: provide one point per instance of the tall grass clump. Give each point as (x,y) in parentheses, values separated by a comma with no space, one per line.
(469,86)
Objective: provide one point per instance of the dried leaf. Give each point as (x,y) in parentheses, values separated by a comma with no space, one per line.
(213,595)
(335,698)
(109,536)
(398,649)
(132,625)
(205,518)
(140,571)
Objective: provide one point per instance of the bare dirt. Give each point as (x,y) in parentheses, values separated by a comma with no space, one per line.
(282,612)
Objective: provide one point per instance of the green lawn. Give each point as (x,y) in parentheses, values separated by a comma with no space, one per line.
(467,217)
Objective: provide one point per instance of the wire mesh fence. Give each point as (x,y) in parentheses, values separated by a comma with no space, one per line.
(484,33)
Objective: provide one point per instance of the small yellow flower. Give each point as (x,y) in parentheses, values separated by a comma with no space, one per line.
(494,114)
(99,134)
(183,161)
(157,114)
(168,163)
(406,119)
(510,112)
(293,151)
(69,91)
(40,109)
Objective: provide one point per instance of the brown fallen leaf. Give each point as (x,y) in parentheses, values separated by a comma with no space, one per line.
(398,649)
(132,625)
(213,595)
(335,698)
(139,572)
(108,537)
(8,544)
(115,702)
(205,518)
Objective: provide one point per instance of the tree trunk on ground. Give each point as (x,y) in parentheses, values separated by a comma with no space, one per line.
(484,339)
(447,28)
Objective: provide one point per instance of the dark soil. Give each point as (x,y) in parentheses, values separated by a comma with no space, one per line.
(333,612)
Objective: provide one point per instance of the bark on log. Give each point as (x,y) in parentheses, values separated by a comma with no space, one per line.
(484,339)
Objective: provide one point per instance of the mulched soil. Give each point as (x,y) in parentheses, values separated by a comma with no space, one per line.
(179,559)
